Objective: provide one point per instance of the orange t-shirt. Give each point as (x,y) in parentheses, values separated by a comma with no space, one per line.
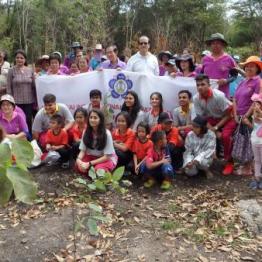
(74,133)
(172,136)
(140,149)
(56,140)
(127,138)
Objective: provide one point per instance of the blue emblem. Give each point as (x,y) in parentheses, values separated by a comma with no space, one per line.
(120,86)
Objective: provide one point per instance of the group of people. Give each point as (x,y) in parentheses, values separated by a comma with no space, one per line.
(156,144)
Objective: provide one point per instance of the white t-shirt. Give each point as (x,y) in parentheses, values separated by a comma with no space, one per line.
(143,64)
(255,139)
(108,150)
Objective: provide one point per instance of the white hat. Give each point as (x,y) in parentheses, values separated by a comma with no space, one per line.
(99,47)
(8,98)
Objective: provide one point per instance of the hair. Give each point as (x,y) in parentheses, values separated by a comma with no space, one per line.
(144,36)
(135,109)
(191,65)
(186,92)
(157,136)
(88,137)
(115,49)
(145,126)
(58,119)
(202,77)
(2,133)
(160,98)
(95,92)
(21,52)
(55,56)
(203,129)
(126,116)
(81,110)
(49,98)
(5,56)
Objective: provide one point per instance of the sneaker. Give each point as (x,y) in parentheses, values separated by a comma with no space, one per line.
(254,185)
(149,183)
(228,169)
(165,185)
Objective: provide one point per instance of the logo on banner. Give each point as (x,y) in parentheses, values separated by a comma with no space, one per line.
(120,85)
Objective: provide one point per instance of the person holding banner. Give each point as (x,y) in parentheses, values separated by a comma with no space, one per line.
(55,62)
(96,146)
(186,66)
(213,104)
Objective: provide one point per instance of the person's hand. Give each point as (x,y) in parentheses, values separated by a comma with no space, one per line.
(245,121)
(83,167)
(190,164)
(166,160)
(48,147)
(221,82)
(218,134)
(236,117)
(100,69)
(173,74)
(119,69)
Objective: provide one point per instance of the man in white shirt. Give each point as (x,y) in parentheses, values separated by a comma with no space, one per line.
(143,61)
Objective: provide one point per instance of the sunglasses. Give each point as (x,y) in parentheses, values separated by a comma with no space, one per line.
(143,43)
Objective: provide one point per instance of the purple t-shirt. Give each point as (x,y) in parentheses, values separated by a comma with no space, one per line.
(108,65)
(15,126)
(218,68)
(243,94)
(162,70)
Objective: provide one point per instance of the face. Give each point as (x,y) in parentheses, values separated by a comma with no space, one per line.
(167,126)
(129,100)
(74,68)
(251,69)
(111,55)
(80,118)
(20,60)
(183,99)
(184,65)
(165,58)
(54,65)
(50,108)
(141,132)
(217,46)
(163,142)
(79,55)
(257,105)
(196,130)
(53,125)
(45,65)
(121,122)
(94,120)
(95,101)
(143,44)
(82,64)
(7,107)
(202,87)
(154,101)
(170,68)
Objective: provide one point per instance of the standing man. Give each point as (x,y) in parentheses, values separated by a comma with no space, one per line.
(143,61)
(217,109)
(112,62)
(218,64)
(75,47)
(97,58)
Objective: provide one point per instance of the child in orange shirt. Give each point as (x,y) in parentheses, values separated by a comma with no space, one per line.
(174,140)
(123,138)
(57,139)
(141,145)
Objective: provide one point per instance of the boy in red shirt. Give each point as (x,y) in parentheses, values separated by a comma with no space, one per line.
(157,165)
(174,140)
(57,139)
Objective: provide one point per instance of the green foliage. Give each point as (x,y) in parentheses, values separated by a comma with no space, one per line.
(15,176)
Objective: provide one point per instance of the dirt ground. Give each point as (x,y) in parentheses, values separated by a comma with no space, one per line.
(195,221)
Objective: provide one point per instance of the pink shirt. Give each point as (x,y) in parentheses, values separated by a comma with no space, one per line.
(243,94)
(192,74)
(218,68)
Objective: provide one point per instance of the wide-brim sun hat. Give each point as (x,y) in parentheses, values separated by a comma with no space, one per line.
(8,98)
(164,53)
(188,58)
(171,62)
(216,37)
(253,59)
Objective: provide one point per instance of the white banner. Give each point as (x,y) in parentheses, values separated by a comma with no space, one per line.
(74,90)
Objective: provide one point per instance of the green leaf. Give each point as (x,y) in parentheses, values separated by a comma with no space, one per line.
(92,226)
(80,181)
(23,152)
(100,185)
(24,187)
(5,155)
(95,207)
(118,173)
(100,173)
(92,173)
(101,218)
(107,178)
(6,187)
(91,186)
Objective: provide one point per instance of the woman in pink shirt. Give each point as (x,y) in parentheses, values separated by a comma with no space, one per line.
(186,66)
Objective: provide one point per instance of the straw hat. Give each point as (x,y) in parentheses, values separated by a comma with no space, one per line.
(253,59)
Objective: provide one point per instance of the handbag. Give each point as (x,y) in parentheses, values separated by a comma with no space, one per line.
(242,148)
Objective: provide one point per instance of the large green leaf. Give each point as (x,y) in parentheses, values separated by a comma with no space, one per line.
(6,187)
(100,185)
(24,187)
(23,152)
(92,173)
(92,226)
(118,173)
(95,207)
(5,155)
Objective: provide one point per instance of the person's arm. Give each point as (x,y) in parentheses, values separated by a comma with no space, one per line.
(235,111)
(35,135)
(188,156)
(121,146)
(153,165)
(135,161)
(68,125)
(20,135)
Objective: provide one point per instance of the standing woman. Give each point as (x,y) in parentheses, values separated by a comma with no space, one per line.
(4,67)
(21,85)
(133,107)
(186,66)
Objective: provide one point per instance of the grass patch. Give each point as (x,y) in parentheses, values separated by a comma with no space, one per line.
(169,225)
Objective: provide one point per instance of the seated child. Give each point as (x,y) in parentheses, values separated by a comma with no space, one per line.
(124,138)
(96,146)
(158,162)
(76,132)
(174,141)
(57,139)
(141,145)
(200,147)
(95,97)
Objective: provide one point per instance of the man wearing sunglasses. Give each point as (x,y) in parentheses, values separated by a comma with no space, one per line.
(143,61)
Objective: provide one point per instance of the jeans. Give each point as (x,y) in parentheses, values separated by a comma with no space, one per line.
(164,171)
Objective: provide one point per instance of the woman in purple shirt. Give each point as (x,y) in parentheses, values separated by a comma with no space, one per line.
(12,121)
(242,103)
(186,66)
